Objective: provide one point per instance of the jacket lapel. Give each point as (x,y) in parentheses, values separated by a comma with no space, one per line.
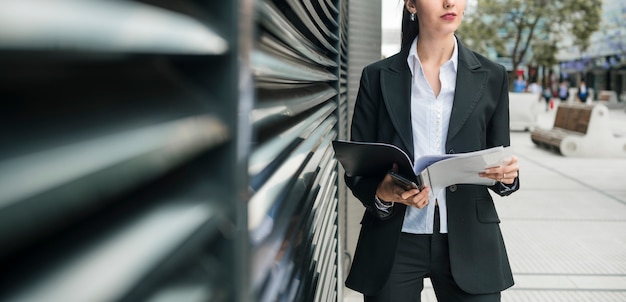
(470,85)
(396,90)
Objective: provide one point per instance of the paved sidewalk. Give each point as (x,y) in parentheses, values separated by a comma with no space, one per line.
(565,229)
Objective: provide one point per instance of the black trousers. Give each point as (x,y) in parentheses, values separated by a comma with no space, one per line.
(420,256)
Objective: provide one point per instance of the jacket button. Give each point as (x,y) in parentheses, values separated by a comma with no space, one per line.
(453,188)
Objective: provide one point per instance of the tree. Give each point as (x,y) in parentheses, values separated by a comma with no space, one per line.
(614,29)
(515,28)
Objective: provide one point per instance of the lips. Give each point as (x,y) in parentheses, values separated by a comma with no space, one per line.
(448,16)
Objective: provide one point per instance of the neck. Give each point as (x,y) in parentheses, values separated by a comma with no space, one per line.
(435,50)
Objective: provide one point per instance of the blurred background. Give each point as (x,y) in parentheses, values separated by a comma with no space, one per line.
(546,42)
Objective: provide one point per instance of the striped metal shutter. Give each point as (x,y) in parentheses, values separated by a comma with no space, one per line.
(300,69)
(364,40)
(171,150)
(123,163)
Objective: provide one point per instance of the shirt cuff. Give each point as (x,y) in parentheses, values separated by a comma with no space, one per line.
(504,188)
(384,206)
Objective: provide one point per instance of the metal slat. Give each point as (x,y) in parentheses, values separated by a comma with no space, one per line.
(332,6)
(323,229)
(77,176)
(115,257)
(318,21)
(276,23)
(320,204)
(330,280)
(327,13)
(262,200)
(280,273)
(273,69)
(276,105)
(263,157)
(321,215)
(103,26)
(304,261)
(266,225)
(274,46)
(301,12)
(325,286)
(298,192)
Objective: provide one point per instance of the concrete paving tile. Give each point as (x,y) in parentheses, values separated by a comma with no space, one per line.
(536,282)
(600,282)
(617,194)
(566,247)
(559,205)
(544,179)
(601,174)
(512,295)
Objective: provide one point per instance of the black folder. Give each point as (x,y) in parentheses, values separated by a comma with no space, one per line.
(435,171)
(372,159)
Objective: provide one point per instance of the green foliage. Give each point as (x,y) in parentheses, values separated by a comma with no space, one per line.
(614,28)
(513,28)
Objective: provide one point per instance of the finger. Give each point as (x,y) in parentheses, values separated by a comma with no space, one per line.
(511,175)
(422,203)
(510,160)
(493,172)
(421,200)
(495,175)
(415,194)
(511,166)
(415,202)
(409,193)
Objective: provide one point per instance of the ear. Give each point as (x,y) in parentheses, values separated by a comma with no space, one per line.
(410,6)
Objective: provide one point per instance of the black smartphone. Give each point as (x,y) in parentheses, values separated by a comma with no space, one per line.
(402,181)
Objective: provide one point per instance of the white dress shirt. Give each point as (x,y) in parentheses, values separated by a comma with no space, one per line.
(430,118)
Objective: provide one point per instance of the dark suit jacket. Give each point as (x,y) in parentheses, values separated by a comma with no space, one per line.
(479,119)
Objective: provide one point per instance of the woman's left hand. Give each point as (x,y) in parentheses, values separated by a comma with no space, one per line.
(505,174)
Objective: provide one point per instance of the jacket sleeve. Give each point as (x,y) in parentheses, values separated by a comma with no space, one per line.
(499,132)
(364,125)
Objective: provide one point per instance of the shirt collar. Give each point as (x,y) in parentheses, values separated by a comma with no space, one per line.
(412,58)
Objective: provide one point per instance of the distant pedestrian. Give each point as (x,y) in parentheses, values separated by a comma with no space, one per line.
(583,92)
(563,91)
(547,96)
(519,85)
(534,88)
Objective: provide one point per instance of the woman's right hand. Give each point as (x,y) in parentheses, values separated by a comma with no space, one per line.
(389,191)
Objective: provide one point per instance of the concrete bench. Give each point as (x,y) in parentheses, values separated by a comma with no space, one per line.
(523,108)
(581,131)
(607,96)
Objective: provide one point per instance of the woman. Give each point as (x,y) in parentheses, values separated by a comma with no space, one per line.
(436,96)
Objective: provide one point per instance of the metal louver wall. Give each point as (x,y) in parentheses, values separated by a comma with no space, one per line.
(300,69)
(123,161)
(171,150)
(364,43)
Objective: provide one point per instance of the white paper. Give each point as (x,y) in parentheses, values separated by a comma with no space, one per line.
(440,171)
